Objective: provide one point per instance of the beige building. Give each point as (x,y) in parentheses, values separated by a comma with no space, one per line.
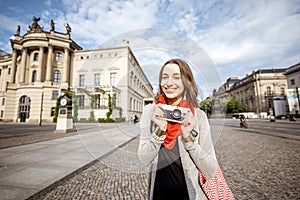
(44,65)
(113,71)
(293,92)
(255,91)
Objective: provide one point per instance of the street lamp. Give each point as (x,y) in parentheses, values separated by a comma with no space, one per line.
(41,110)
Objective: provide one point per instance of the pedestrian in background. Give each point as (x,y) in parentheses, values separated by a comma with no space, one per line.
(176,151)
(243,122)
(136,119)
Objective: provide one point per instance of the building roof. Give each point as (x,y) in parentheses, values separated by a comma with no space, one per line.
(3,53)
(292,69)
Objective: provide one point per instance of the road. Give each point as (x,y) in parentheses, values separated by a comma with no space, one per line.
(280,128)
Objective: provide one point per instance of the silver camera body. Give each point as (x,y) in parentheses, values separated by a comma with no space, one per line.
(174,113)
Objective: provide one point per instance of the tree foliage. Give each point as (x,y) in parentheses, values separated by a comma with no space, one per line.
(234,106)
(206,105)
(109,113)
(56,109)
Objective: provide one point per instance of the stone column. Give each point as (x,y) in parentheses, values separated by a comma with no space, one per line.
(49,64)
(40,65)
(258,95)
(13,67)
(2,78)
(23,66)
(66,66)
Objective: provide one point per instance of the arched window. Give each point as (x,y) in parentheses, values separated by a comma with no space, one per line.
(24,108)
(57,76)
(33,78)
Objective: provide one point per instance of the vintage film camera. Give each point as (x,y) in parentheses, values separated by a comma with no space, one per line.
(174,113)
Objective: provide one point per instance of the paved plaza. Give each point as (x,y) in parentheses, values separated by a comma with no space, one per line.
(256,166)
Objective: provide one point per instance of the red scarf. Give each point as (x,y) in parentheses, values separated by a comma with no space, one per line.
(173,129)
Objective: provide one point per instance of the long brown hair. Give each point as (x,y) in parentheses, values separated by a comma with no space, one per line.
(190,86)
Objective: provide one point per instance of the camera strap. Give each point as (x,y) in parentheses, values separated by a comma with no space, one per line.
(152,126)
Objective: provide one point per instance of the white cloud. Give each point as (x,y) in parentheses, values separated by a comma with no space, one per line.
(97,21)
(252,34)
(239,36)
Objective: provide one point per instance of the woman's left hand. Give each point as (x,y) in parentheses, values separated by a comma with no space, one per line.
(188,124)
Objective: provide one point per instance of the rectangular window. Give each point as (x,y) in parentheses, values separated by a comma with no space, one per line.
(114,99)
(113,78)
(81,101)
(35,56)
(52,111)
(3,101)
(57,76)
(81,80)
(282,91)
(55,94)
(97,106)
(97,79)
(1,114)
(58,57)
(292,81)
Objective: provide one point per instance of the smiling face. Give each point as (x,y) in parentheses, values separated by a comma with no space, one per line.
(171,83)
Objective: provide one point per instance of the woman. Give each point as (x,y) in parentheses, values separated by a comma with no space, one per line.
(177,151)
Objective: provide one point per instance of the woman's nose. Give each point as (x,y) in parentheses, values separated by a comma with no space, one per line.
(170,81)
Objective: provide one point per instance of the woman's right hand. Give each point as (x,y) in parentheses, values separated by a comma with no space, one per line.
(157,115)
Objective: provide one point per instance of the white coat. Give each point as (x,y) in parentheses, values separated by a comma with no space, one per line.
(195,156)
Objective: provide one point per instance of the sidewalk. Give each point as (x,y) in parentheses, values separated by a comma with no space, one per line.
(27,169)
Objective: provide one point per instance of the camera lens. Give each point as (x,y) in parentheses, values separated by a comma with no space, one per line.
(176,113)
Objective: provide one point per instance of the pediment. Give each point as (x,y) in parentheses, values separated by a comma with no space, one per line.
(113,68)
(97,70)
(82,70)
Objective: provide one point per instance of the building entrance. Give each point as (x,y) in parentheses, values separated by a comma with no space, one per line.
(24,108)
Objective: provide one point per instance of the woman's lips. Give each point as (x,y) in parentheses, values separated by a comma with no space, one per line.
(170,90)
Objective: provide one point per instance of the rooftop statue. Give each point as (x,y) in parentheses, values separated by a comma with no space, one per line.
(52,24)
(35,27)
(18,31)
(68,28)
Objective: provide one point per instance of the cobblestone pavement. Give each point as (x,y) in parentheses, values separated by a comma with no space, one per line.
(255,167)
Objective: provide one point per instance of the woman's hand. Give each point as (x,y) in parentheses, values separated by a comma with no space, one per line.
(157,115)
(188,124)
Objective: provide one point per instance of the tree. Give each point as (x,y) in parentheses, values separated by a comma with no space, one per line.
(56,110)
(234,106)
(75,108)
(93,99)
(109,113)
(206,105)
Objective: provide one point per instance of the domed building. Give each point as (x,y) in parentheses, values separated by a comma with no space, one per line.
(45,64)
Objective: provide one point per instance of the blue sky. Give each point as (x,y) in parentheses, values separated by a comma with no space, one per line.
(237,36)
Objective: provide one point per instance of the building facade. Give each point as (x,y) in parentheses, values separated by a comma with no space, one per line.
(45,64)
(293,91)
(255,91)
(115,72)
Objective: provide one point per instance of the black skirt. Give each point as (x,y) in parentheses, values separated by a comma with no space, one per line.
(170,182)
